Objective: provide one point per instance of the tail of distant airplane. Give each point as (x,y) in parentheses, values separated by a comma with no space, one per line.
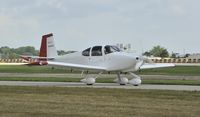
(48,48)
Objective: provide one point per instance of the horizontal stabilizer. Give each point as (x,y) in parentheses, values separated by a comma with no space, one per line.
(36,57)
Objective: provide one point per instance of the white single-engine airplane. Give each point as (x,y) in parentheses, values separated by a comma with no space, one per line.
(107,58)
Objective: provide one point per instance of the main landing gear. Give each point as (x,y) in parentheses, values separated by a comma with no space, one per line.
(90,80)
(136,80)
(123,80)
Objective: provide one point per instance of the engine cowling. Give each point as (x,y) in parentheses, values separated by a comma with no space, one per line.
(89,81)
(135,81)
(122,81)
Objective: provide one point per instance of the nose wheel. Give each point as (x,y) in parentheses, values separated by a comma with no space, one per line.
(89,80)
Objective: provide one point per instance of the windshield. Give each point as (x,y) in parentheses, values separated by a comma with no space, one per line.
(110,49)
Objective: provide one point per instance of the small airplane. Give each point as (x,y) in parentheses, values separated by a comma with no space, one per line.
(106,58)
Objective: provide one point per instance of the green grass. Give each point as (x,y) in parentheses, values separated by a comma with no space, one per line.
(40,79)
(178,70)
(91,102)
(172,82)
(29,69)
(100,80)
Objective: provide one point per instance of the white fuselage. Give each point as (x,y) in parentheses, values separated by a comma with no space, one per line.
(116,61)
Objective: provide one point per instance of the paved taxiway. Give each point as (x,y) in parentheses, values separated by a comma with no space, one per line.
(75,75)
(100,85)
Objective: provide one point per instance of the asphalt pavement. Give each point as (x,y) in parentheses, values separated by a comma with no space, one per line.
(100,85)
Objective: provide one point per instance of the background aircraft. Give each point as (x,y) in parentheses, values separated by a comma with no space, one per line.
(106,58)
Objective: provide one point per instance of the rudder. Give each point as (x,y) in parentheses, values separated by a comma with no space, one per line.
(48,48)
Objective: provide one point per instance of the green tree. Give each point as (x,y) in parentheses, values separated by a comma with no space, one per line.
(159,51)
(146,53)
(28,50)
(12,53)
(63,52)
(5,51)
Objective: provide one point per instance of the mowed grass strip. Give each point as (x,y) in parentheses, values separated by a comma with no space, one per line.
(100,80)
(29,69)
(92,102)
(172,82)
(178,70)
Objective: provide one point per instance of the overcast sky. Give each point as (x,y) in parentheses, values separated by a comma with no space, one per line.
(77,24)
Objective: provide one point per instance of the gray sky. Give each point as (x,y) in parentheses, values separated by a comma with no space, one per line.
(77,24)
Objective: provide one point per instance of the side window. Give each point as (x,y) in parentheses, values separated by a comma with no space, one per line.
(107,50)
(86,52)
(96,51)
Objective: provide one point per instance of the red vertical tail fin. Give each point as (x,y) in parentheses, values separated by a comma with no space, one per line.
(47,48)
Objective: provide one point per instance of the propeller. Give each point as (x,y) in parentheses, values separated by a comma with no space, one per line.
(139,63)
(142,60)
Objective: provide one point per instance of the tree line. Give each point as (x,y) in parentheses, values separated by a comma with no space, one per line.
(14,53)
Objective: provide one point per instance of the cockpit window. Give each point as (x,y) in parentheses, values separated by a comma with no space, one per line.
(86,52)
(110,49)
(97,51)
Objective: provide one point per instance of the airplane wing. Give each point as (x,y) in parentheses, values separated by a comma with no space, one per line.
(156,65)
(13,63)
(77,66)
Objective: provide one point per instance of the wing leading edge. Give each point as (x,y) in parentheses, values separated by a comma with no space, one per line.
(77,66)
(156,65)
